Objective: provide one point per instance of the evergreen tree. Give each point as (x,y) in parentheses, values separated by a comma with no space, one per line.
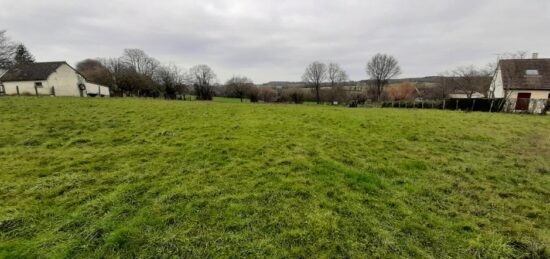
(22,55)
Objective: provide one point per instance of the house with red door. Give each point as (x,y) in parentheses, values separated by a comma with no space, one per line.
(524,83)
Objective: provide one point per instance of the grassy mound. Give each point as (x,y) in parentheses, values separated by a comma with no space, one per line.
(128,177)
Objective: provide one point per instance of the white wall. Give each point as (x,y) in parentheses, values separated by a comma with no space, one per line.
(497,86)
(26,88)
(65,80)
(105,91)
(95,89)
(535,94)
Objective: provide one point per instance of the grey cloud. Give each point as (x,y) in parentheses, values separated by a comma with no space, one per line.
(274,40)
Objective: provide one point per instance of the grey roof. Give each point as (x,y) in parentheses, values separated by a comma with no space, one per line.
(514,74)
(31,71)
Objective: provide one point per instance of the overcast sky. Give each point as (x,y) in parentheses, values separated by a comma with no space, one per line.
(275,40)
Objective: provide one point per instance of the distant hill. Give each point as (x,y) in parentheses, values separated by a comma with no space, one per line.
(282,84)
(425,80)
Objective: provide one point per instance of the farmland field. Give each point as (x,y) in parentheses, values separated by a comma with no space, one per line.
(150,178)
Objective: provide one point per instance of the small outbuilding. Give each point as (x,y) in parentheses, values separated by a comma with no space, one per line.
(48,78)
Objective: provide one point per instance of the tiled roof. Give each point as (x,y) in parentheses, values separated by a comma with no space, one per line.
(514,74)
(31,71)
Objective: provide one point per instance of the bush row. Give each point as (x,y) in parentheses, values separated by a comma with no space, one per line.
(485,104)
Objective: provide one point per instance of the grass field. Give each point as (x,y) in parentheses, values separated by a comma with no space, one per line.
(143,178)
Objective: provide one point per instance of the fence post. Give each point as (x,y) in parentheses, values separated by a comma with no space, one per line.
(491,106)
(433,103)
(473,104)
(17,89)
(399,104)
(443,104)
(422,104)
(53,90)
(414,104)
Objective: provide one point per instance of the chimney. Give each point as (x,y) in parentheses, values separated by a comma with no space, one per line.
(535,55)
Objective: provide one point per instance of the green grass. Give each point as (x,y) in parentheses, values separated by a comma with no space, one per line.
(148,178)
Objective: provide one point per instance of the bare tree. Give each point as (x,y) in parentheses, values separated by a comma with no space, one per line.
(336,74)
(116,68)
(442,88)
(140,61)
(171,78)
(134,74)
(239,87)
(7,50)
(470,80)
(520,54)
(381,68)
(202,77)
(126,81)
(315,75)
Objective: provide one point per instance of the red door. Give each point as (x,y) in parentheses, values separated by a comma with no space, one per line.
(522,103)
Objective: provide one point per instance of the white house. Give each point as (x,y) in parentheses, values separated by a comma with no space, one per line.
(49,78)
(525,83)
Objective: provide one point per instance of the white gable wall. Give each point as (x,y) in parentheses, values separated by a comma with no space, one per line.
(497,86)
(65,80)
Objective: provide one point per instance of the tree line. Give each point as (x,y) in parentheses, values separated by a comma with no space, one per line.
(135,73)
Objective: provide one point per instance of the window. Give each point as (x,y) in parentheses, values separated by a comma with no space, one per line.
(38,84)
(532,72)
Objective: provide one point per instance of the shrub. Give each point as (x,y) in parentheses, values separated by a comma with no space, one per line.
(403,91)
(254,94)
(294,95)
(267,94)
